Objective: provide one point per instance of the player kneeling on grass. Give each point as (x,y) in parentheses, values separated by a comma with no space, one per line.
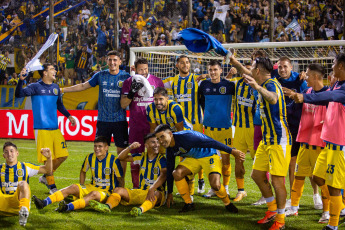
(14,182)
(106,174)
(199,151)
(151,178)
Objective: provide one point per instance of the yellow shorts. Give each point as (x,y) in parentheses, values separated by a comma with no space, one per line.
(335,176)
(212,164)
(321,165)
(222,135)
(198,127)
(274,159)
(244,140)
(52,139)
(86,189)
(138,196)
(306,159)
(9,204)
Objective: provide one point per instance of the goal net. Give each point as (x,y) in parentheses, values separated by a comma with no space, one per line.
(162,59)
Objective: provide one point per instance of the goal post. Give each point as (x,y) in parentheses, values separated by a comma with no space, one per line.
(162,59)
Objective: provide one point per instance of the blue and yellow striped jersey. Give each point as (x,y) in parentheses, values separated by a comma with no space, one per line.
(274,123)
(10,176)
(149,169)
(104,173)
(171,116)
(244,105)
(3,62)
(185,92)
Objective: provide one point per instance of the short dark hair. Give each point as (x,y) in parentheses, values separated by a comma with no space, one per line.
(161,90)
(285,59)
(149,136)
(214,62)
(182,56)
(8,143)
(113,52)
(162,127)
(45,68)
(264,63)
(258,53)
(317,68)
(340,58)
(101,139)
(140,61)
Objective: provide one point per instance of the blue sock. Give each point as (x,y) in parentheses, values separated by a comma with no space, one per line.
(70,207)
(47,201)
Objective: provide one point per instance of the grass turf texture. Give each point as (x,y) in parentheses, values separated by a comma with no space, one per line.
(209,214)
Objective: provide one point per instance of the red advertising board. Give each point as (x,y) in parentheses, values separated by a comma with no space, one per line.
(19,124)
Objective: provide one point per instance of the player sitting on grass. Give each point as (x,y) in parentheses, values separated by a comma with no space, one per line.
(14,182)
(152,178)
(106,174)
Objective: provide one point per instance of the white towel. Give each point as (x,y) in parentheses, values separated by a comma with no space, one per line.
(34,64)
(147,90)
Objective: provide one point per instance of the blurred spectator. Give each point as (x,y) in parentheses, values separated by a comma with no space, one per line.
(4,61)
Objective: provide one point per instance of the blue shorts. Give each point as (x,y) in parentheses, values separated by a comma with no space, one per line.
(101,49)
(119,130)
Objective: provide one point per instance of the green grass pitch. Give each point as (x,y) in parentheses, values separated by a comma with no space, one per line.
(209,213)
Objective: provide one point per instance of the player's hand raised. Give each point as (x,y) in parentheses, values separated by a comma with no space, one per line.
(238,154)
(134,145)
(23,74)
(46,152)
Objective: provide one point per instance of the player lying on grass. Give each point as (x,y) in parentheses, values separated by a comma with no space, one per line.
(152,180)
(199,151)
(14,182)
(106,174)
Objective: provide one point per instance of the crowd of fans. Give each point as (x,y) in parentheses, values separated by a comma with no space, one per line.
(86,33)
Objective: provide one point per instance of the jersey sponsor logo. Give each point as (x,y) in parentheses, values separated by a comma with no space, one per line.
(55,91)
(222,90)
(156,170)
(9,184)
(107,171)
(190,85)
(20,172)
(120,84)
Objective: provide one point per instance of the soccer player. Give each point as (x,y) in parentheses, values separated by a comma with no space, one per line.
(106,174)
(46,100)
(152,180)
(309,135)
(14,182)
(333,134)
(272,154)
(215,97)
(185,91)
(244,110)
(199,151)
(138,124)
(111,120)
(291,80)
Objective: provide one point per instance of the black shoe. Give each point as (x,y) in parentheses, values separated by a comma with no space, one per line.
(326,228)
(62,207)
(187,208)
(38,202)
(231,208)
(69,199)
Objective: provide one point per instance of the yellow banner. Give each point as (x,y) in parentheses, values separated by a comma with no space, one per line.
(87,99)
(8,99)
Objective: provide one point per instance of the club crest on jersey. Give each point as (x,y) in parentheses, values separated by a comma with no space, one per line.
(156,170)
(189,85)
(222,90)
(55,91)
(20,172)
(170,120)
(120,84)
(107,171)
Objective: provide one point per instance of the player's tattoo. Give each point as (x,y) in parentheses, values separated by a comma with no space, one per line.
(270,97)
(267,183)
